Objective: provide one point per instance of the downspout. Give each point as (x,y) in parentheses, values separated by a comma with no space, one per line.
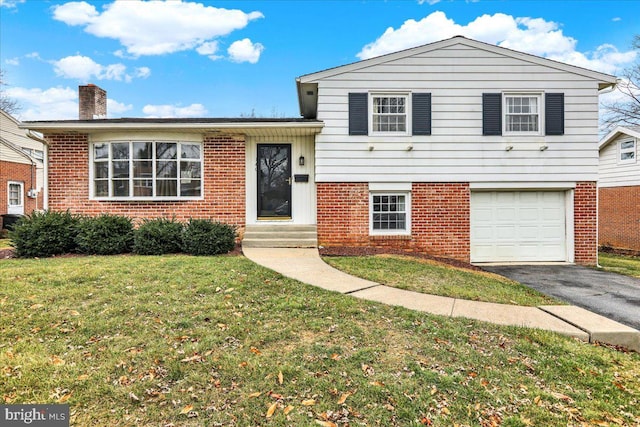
(45,168)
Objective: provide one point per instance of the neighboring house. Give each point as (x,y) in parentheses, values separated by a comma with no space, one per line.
(619,189)
(457,148)
(21,168)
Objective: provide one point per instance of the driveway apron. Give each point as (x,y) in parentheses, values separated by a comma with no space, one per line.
(609,294)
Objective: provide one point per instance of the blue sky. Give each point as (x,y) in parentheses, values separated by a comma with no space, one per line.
(231,58)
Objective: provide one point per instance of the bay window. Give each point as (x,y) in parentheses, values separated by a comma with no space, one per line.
(146,170)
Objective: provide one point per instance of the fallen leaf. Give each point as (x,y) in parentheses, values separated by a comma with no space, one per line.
(308,402)
(343,398)
(64,398)
(256,394)
(326,423)
(426,421)
(36,306)
(271,410)
(280,377)
(74,312)
(56,361)
(434,390)
(186,409)
(561,396)
(242,364)
(537,400)
(335,356)
(275,395)
(255,350)
(134,397)
(288,409)
(377,383)
(445,411)
(83,377)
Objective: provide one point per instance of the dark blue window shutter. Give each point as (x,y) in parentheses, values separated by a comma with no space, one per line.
(358,114)
(492,114)
(554,113)
(421,113)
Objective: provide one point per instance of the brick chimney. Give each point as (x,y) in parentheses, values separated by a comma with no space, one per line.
(92,102)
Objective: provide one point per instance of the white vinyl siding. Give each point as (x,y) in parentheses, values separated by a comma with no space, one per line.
(518,226)
(456,151)
(613,172)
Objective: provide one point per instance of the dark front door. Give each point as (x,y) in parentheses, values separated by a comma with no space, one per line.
(274,181)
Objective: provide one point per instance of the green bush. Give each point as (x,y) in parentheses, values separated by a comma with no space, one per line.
(44,234)
(206,237)
(105,234)
(158,236)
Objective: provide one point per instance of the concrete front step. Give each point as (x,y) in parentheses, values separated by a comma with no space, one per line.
(280,236)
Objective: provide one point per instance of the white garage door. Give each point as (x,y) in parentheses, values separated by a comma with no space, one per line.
(516,226)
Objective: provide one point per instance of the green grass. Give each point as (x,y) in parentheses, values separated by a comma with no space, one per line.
(202,341)
(621,264)
(439,279)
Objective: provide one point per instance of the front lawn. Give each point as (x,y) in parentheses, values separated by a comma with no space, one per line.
(435,278)
(220,341)
(621,264)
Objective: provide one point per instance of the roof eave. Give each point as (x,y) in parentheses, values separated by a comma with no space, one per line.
(613,135)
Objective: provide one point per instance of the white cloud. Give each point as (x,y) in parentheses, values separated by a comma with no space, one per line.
(532,35)
(10,4)
(12,61)
(617,19)
(56,103)
(154,27)
(115,108)
(169,111)
(85,69)
(245,51)
(430,2)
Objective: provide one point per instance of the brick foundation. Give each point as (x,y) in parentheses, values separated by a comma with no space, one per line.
(223,187)
(439,216)
(619,217)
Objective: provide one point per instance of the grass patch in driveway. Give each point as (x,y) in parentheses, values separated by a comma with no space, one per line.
(435,278)
(220,341)
(621,264)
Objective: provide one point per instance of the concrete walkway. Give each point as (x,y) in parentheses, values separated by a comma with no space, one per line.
(306,266)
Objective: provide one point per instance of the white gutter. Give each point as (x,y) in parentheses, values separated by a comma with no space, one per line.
(200,126)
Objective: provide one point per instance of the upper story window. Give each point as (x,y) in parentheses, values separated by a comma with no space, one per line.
(389,113)
(627,150)
(36,154)
(146,170)
(522,114)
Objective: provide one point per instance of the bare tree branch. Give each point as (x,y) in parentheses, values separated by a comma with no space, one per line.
(626,111)
(7,104)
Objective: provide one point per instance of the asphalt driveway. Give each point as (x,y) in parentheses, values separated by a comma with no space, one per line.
(609,294)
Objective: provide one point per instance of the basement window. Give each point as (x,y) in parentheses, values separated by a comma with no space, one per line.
(390,213)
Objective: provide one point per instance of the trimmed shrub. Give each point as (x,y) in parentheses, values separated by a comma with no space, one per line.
(105,234)
(206,237)
(44,234)
(158,236)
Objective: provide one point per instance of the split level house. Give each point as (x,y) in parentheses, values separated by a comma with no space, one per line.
(22,170)
(619,189)
(457,148)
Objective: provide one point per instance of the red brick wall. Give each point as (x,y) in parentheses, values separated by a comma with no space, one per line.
(223,188)
(439,217)
(18,172)
(585,223)
(619,217)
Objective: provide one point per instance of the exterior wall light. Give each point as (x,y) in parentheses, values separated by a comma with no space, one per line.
(301,161)
(508,148)
(543,147)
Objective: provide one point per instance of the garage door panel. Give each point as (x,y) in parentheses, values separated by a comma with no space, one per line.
(518,226)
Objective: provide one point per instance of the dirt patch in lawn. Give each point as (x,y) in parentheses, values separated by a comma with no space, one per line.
(369,251)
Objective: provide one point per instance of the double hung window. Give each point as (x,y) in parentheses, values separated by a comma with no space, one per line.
(389,113)
(147,169)
(522,114)
(390,213)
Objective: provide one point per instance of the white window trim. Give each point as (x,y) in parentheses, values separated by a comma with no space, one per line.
(407,204)
(92,195)
(19,208)
(633,150)
(407,97)
(540,97)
